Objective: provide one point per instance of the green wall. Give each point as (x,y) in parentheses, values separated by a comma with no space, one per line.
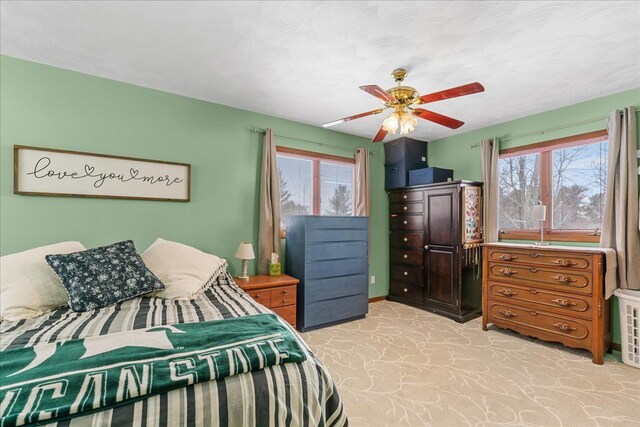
(50,107)
(454,152)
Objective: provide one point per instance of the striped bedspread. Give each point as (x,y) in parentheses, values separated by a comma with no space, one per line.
(292,394)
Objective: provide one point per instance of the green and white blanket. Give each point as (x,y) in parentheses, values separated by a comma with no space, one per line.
(59,380)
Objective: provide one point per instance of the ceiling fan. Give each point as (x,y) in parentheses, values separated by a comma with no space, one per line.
(401,99)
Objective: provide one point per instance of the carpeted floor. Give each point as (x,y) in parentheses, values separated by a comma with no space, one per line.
(406,367)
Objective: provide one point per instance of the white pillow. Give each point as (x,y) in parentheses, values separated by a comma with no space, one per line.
(184,270)
(28,286)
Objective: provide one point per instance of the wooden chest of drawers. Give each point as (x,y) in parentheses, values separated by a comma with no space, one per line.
(551,293)
(275,292)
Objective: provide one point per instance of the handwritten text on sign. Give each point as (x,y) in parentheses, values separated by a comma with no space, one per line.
(53,172)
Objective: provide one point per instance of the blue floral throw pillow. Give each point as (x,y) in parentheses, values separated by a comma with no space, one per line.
(103,276)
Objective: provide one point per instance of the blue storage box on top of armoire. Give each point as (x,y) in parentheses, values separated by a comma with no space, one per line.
(429,176)
(330,257)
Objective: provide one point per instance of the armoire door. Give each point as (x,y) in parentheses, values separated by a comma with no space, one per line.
(441,237)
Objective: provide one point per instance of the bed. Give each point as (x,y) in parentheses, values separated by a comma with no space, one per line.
(291,394)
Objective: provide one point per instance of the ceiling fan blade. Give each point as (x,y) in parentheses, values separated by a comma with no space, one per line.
(437,118)
(355,116)
(380,135)
(451,93)
(378,92)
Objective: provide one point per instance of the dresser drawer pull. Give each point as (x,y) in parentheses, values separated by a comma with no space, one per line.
(284,291)
(507,272)
(257,296)
(405,239)
(534,255)
(404,197)
(533,270)
(533,312)
(564,327)
(507,292)
(405,256)
(507,313)
(533,291)
(284,301)
(406,273)
(563,302)
(508,257)
(405,222)
(405,208)
(406,290)
(564,262)
(563,279)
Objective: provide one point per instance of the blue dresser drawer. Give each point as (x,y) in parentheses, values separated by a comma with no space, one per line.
(335,310)
(334,235)
(342,267)
(339,250)
(325,222)
(334,287)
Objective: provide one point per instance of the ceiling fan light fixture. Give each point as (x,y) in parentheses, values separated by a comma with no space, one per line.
(408,123)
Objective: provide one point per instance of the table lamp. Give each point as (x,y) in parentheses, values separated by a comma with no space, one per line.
(245,252)
(539,213)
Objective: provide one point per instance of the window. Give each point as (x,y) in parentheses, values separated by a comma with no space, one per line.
(314,184)
(568,175)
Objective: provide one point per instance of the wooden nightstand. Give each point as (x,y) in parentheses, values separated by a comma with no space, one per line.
(275,292)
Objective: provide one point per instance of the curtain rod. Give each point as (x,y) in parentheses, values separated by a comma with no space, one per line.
(543,131)
(335,147)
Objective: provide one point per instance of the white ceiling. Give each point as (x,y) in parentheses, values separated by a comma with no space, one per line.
(305,60)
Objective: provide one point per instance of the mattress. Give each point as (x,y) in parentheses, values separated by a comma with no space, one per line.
(292,394)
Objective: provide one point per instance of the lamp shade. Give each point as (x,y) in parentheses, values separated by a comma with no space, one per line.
(245,251)
(539,212)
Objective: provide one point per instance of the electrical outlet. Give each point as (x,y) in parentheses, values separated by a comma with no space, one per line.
(373,280)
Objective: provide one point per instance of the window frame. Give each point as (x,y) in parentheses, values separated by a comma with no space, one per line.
(545,149)
(316,158)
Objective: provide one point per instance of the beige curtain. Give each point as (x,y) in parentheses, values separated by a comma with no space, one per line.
(620,223)
(269,239)
(362,204)
(489,152)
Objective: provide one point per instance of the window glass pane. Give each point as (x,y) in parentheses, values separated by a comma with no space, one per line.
(519,189)
(579,184)
(336,189)
(296,187)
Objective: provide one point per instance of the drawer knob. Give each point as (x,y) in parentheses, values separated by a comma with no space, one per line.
(284,291)
(284,301)
(406,239)
(405,208)
(507,313)
(534,255)
(507,272)
(533,291)
(564,327)
(406,290)
(404,197)
(405,222)
(508,257)
(533,270)
(405,256)
(533,312)
(563,302)
(564,262)
(406,273)
(426,246)
(563,279)
(507,292)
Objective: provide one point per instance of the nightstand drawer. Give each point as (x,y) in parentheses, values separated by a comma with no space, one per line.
(262,296)
(285,295)
(288,313)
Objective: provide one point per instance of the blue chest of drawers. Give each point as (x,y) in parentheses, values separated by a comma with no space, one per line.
(329,255)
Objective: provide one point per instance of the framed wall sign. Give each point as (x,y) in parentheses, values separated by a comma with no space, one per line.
(49,172)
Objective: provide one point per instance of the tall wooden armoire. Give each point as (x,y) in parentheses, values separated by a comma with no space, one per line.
(435,236)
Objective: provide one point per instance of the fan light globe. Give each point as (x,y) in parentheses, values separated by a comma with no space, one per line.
(391,123)
(408,123)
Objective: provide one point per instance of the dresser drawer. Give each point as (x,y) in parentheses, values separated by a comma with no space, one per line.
(335,287)
(333,310)
(535,297)
(405,196)
(544,324)
(334,235)
(336,250)
(262,296)
(411,275)
(397,208)
(409,239)
(339,267)
(285,295)
(546,258)
(405,222)
(288,313)
(337,222)
(406,256)
(403,290)
(574,281)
